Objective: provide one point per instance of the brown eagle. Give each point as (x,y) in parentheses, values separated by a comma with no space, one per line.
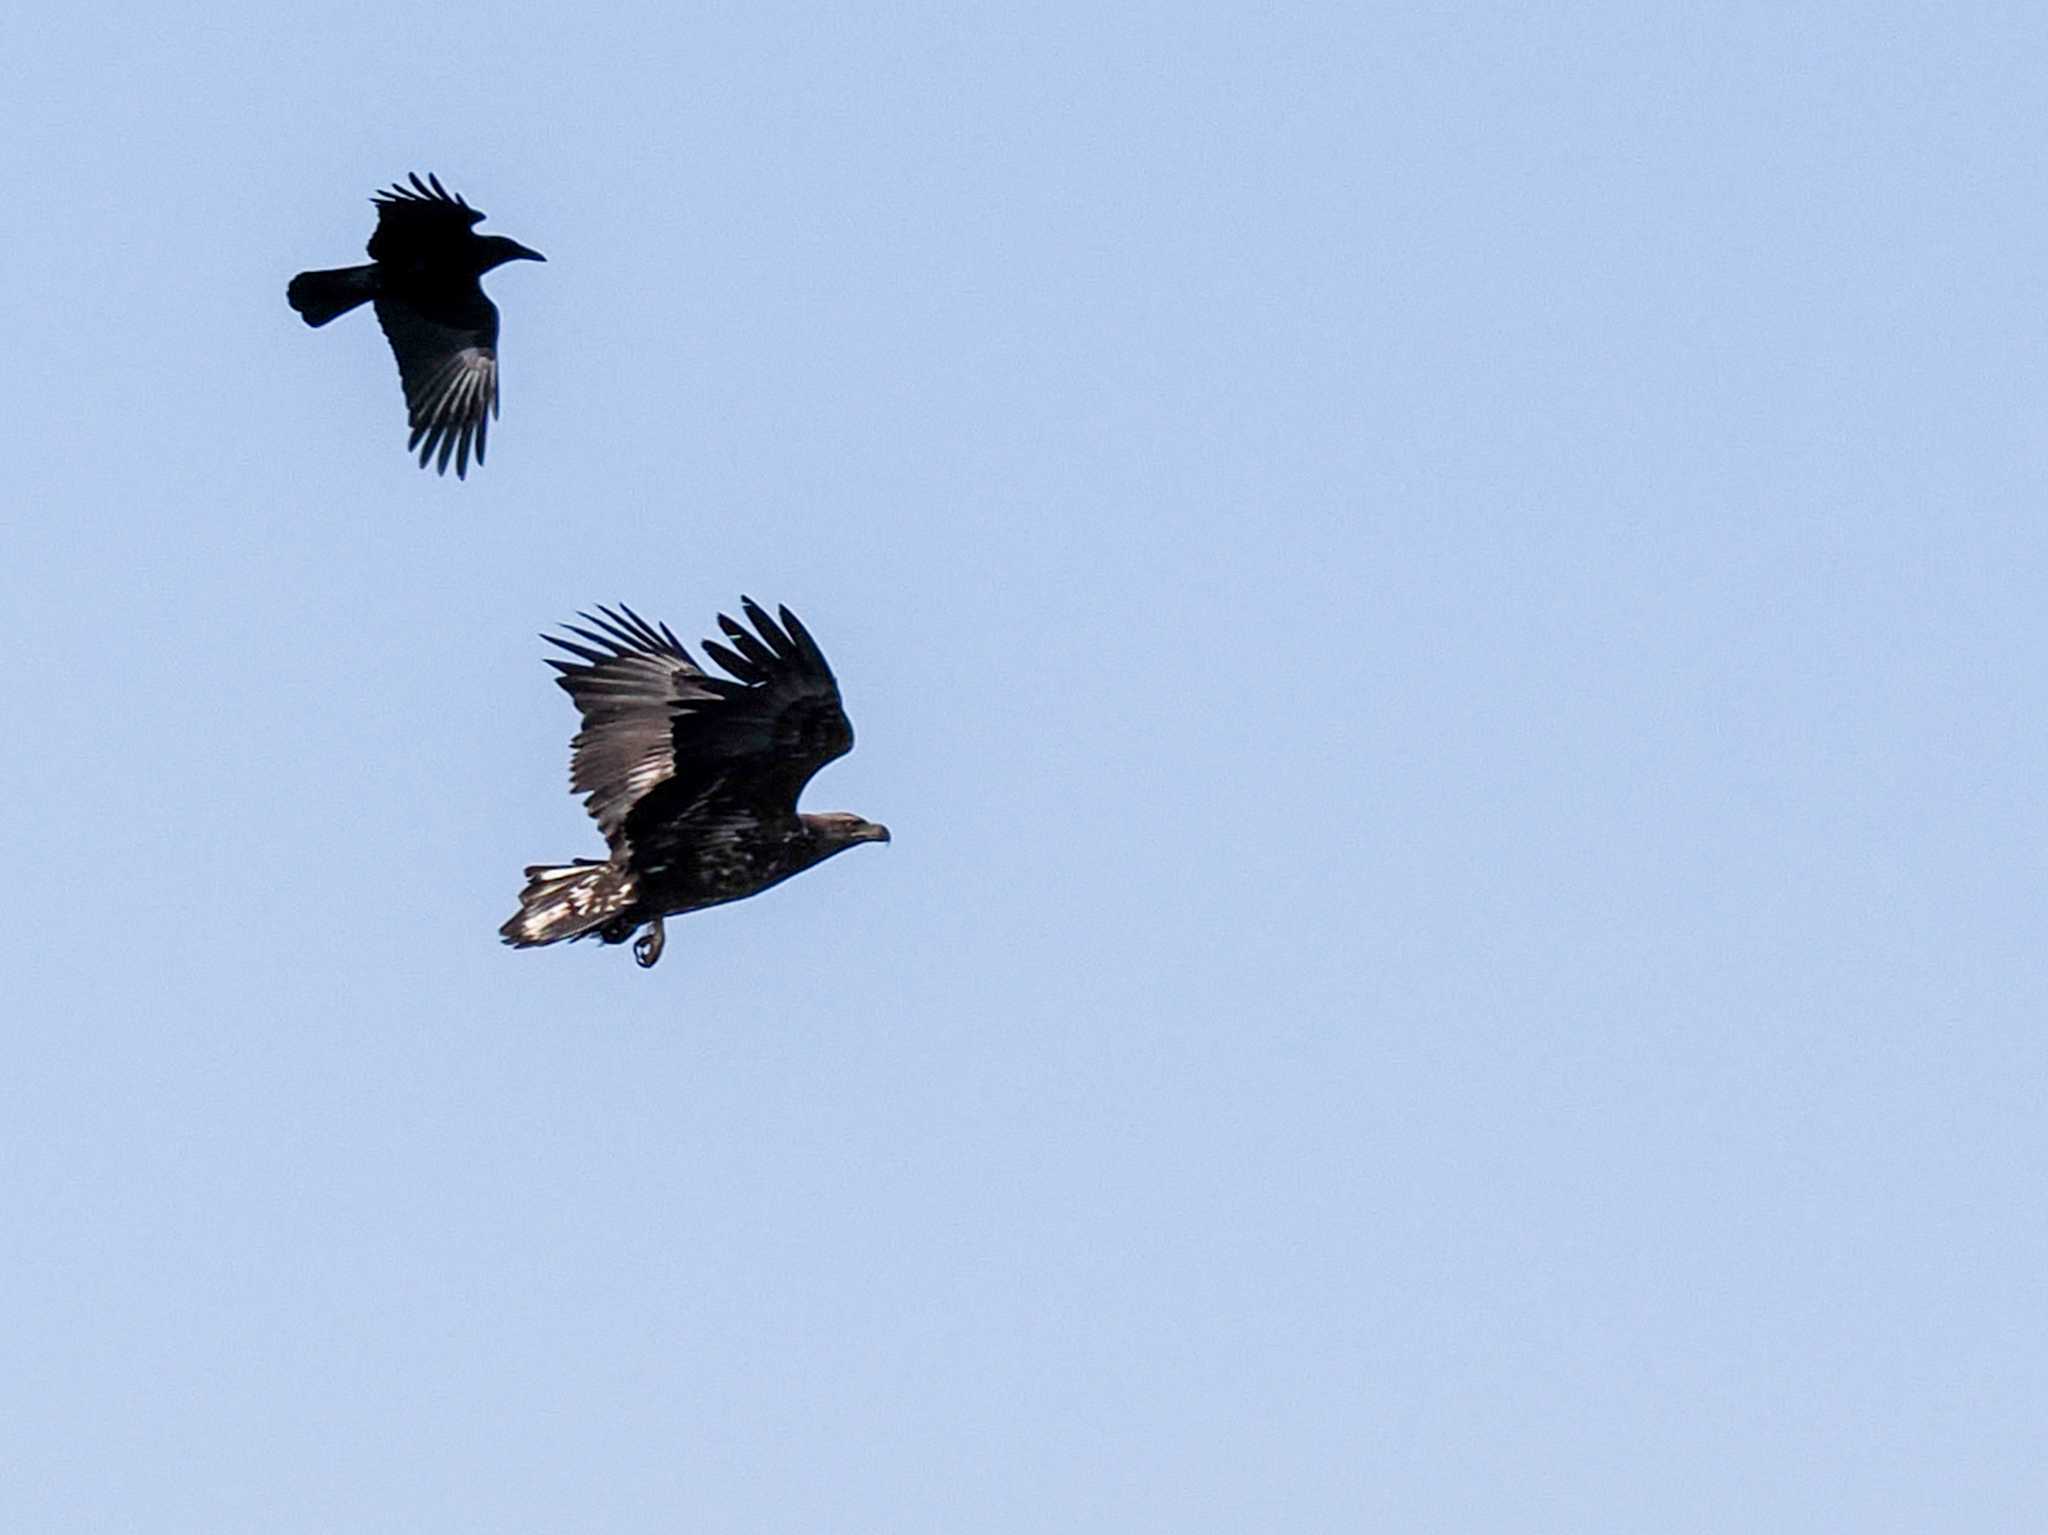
(426,257)
(692,777)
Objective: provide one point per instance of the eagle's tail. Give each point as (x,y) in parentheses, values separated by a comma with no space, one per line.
(322,296)
(567,901)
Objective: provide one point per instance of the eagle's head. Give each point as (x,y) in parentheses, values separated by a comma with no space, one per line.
(835,830)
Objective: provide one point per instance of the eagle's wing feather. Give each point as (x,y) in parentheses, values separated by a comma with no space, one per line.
(776,722)
(628,678)
(722,752)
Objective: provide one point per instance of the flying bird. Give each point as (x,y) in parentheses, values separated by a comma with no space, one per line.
(693,778)
(426,257)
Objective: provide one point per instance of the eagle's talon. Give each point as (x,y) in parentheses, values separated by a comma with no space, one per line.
(647,947)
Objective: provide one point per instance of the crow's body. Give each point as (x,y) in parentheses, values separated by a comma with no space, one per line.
(426,259)
(693,778)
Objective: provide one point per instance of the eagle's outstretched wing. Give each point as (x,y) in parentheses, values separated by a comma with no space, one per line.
(654,720)
(777,722)
(420,223)
(628,679)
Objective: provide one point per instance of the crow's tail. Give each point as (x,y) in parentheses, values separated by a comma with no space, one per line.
(567,901)
(320,296)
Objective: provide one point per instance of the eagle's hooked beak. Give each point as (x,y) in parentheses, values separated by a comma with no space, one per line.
(875,832)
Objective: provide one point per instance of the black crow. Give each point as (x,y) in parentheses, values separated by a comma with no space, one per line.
(426,257)
(692,778)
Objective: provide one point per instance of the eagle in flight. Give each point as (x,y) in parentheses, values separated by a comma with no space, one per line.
(426,259)
(693,778)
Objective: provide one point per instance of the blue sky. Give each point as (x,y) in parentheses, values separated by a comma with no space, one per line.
(1444,605)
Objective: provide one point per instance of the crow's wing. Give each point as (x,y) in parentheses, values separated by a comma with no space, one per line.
(448,362)
(419,225)
(628,679)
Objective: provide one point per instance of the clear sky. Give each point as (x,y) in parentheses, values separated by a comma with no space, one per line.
(1445,604)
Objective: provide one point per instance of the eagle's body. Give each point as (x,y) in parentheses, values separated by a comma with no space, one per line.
(693,778)
(423,278)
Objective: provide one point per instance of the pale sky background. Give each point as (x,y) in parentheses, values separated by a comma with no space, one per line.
(1445,603)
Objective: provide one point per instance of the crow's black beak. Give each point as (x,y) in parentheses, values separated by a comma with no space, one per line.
(527,255)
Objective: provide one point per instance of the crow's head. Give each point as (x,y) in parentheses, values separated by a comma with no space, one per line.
(496,250)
